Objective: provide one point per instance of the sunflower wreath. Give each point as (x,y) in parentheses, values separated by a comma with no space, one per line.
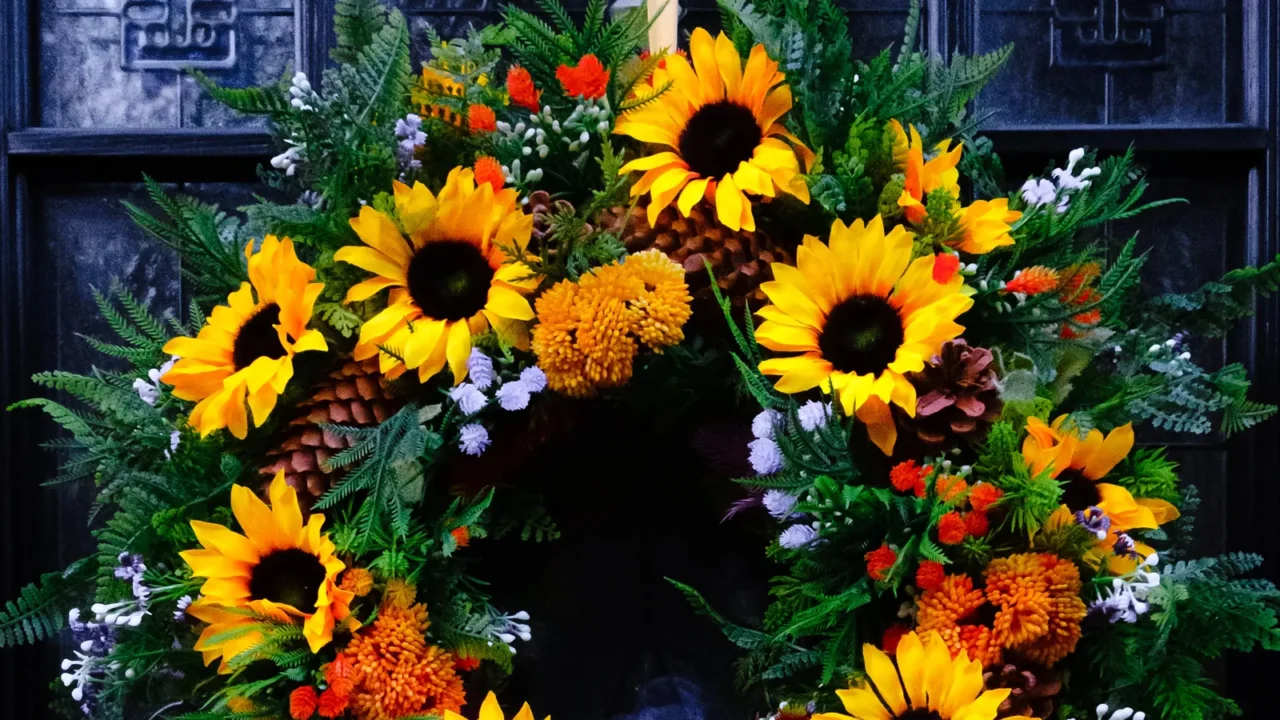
(947,388)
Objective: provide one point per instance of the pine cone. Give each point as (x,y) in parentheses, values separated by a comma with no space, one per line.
(740,259)
(958,398)
(1034,688)
(542,207)
(354,394)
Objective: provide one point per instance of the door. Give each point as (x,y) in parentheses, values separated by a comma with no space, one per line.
(93,95)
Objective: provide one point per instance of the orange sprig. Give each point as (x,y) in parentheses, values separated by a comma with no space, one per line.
(1033,281)
(480,118)
(588,79)
(521,89)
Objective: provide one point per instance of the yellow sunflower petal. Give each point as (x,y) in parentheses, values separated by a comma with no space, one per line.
(729,202)
(489,709)
(381,234)
(508,303)
(786,338)
(985,707)
(862,704)
(966,684)
(257,521)
(793,302)
(225,541)
(285,509)
(911,665)
(799,373)
(367,258)
(702,52)
(213,564)
(1112,450)
(458,350)
(937,670)
(649,162)
(882,430)
(884,675)
(422,342)
(691,195)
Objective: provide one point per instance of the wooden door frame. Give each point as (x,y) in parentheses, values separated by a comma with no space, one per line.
(120,154)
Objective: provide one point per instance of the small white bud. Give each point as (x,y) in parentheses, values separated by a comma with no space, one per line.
(526,151)
(556,126)
(519,128)
(522,615)
(584,137)
(1153,349)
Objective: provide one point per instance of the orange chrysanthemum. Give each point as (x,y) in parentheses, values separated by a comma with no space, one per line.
(357,581)
(489,170)
(588,333)
(908,477)
(521,89)
(951,529)
(303,702)
(1033,281)
(949,487)
(1039,605)
(952,610)
(929,575)
(588,79)
(879,561)
(983,496)
(397,672)
(480,118)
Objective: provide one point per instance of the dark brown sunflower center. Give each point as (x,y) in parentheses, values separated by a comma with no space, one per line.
(258,338)
(919,714)
(718,137)
(1078,491)
(292,577)
(862,335)
(449,279)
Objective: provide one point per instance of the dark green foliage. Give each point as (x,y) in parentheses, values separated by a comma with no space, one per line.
(209,242)
(1211,311)
(355,23)
(40,610)
(271,100)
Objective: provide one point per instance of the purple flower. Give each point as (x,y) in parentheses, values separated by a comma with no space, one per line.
(813,415)
(514,395)
(180,612)
(797,536)
(473,439)
(470,400)
(1094,520)
(778,503)
(534,378)
(1125,548)
(763,424)
(480,369)
(765,456)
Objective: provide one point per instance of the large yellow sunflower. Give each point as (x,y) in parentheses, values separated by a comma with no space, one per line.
(1081,465)
(445,260)
(489,710)
(721,123)
(984,225)
(936,686)
(246,348)
(863,315)
(279,568)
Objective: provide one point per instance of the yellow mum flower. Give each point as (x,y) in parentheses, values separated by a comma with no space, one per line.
(1081,465)
(489,710)
(279,568)
(245,349)
(721,123)
(862,315)
(984,225)
(936,686)
(449,275)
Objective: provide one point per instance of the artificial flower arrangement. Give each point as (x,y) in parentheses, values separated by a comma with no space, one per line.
(948,388)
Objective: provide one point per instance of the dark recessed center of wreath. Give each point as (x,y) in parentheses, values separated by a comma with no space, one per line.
(862,335)
(292,577)
(258,338)
(718,137)
(1078,491)
(919,714)
(449,279)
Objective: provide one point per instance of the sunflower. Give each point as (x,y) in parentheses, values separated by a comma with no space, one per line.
(245,349)
(450,276)
(936,686)
(489,710)
(721,123)
(1081,465)
(279,568)
(863,315)
(984,225)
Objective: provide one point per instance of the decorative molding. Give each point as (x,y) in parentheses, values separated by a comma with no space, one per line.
(1109,33)
(177,34)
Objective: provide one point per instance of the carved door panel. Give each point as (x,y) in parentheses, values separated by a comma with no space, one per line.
(93,95)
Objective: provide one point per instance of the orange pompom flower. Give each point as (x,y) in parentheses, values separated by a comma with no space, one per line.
(587,80)
(1033,281)
(467,663)
(908,477)
(1039,610)
(303,703)
(889,643)
(461,536)
(480,118)
(983,496)
(951,529)
(879,561)
(489,170)
(332,704)
(976,523)
(521,89)
(929,575)
(341,675)
(357,581)
(952,610)
(949,487)
(945,266)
